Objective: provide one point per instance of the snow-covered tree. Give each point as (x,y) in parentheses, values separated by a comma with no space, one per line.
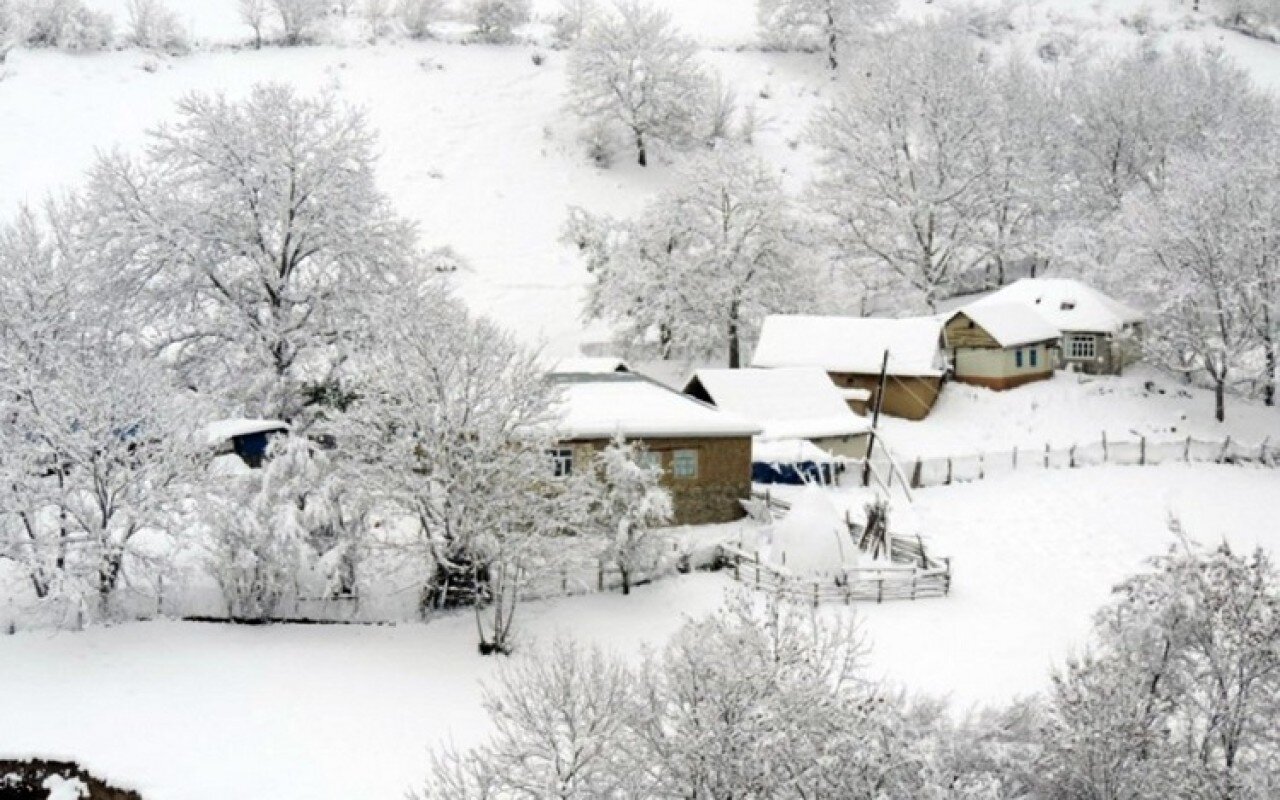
(496,20)
(154,26)
(828,25)
(65,24)
(702,265)
(254,13)
(9,28)
(572,19)
(377,15)
(630,507)
(632,72)
(290,530)
(903,173)
(451,424)
(251,237)
(298,18)
(417,16)
(1178,700)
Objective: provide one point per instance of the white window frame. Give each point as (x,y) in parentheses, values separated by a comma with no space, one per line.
(680,461)
(561,461)
(649,458)
(1082,347)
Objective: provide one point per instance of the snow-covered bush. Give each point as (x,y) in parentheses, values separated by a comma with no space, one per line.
(154,26)
(417,16)
(255,13)
(629,506)
(572,19)
(495,21)
(633,71)
(377,15)
(827,25)
(65,24)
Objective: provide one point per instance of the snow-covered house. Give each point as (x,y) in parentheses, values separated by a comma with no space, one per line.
(789,404)
(851,350)
(590,365)
(1100,335)
(246,438)
(705,453)
(1000,345)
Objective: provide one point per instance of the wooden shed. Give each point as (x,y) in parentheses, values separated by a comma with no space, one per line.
(1000,345)
(851,351)
(705,453)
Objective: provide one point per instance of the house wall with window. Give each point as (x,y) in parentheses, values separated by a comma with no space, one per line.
(1096,353)
(707,477)
(978,358)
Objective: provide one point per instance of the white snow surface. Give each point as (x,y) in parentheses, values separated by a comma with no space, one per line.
(788,451)
(811,540)
(1065,303)
(1010,324)
(186,711)
(589,365)
(851,344)
(790,403)
(225,429)
(604,405)
(61,788)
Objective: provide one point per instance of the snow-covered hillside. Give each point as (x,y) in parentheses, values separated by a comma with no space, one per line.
(476,146)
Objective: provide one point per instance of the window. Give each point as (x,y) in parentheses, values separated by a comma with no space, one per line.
(684,464)
(649,459)
(1033,355)
(561,461)
(1017,358)
(1081,346)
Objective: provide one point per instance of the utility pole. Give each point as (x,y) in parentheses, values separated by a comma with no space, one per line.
(875,418)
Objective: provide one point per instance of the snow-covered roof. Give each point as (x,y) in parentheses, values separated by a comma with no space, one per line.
(852,344)
(790,403)
(788,451)
(225,429)
(590,365)
(856,395)
(599,406)
(1010,324)
(1067,304)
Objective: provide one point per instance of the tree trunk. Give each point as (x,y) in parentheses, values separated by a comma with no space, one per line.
(642,157)
(833,42)
(1220,399)
(626,579)
(1269,390)
(735,337)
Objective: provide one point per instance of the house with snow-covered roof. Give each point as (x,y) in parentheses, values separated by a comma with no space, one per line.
(1000,345)
(851,351)
(1100,335)
(790,403)
(246,438)
(704,452)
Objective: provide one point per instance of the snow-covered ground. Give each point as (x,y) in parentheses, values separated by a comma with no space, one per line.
(1075,409)
(192,711)
(475,145)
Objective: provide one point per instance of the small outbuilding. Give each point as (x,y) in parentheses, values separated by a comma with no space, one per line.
(789,403)
(246,438)
(1000,345)
(1100,335)
(851,351)
(704,452)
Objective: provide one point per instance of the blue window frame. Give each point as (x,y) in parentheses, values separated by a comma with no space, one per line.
(1017,357)
(1032,354)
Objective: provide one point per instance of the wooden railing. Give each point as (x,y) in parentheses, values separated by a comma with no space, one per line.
(858,584)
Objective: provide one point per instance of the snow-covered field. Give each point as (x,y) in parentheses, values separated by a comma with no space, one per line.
(475,145)
(196,711)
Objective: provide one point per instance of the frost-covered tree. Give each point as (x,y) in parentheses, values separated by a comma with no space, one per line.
(496,20)
(630,507)
(702,265)
(572,19)
(96,445)
(251,238)
(154,26)
(634,73)
(828,25)
(451,425)
(903,169)
(298,18)
(377,15)
(9,28)
(290,530)
(65,24)
(255,13)
(1179,698)
(417,16)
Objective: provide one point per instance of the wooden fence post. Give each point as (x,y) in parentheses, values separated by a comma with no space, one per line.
(1142,451)
(1015,458)
(982,466)
(913,586)
(917,472)
(1104,447)
(1226,446)
(1262,451)
(600,576)
(737,566)
(948,470)
(1046,455)
(564,580)
(815,594)
(756,559)
(946,586)
(880,590)
(1071,457)
(1186,451)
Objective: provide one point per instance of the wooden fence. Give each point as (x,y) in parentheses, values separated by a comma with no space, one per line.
(873,584)
(1143,451)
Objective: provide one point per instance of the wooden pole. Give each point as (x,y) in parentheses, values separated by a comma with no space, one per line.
(1226,448)
(1142,451)
(875,418)
(1186,451)
(1104,447)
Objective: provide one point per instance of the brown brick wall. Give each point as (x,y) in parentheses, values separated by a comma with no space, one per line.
(724,475)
